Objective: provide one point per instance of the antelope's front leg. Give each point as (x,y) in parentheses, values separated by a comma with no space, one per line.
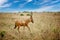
(24,28)
(28,28)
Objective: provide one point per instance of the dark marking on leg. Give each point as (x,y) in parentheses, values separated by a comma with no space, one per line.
(15,27)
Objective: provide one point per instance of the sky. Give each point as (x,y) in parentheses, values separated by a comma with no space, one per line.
(29,5)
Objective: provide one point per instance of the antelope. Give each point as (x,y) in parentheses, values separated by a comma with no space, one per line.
(24,24)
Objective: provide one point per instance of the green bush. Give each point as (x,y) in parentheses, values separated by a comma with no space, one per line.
(21,14)
(28,14)
(2,33)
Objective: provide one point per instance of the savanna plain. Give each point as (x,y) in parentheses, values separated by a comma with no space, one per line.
(46,26)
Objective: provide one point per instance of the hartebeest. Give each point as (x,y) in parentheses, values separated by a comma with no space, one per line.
(24,24)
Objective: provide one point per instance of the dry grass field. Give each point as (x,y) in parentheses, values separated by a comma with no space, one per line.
(46,26)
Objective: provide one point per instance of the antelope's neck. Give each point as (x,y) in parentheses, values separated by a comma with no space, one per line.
(27,21)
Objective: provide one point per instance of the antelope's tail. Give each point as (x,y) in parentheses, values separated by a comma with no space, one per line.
(15,27)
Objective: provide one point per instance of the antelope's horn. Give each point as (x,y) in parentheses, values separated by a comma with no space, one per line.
(31,13)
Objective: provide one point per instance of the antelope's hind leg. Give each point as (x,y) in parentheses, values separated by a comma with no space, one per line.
(15,27)
(18,29)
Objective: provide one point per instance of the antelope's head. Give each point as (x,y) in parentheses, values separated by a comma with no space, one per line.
(31,18)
